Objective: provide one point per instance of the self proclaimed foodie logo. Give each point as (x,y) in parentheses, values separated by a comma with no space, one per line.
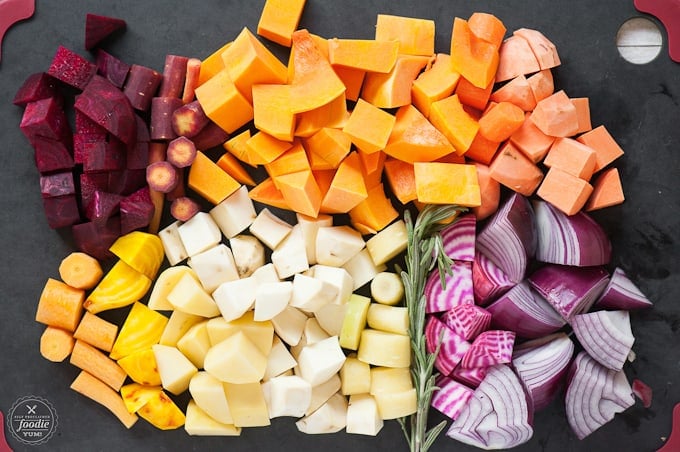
(32,420)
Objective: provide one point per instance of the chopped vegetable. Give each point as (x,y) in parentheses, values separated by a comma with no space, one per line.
(98,28)
(606,336)
(95,389)
(56,344)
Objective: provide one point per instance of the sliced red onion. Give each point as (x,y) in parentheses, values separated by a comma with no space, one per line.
(509,237)
(643,392)
(622,293)
(542,368)
(451,397)
(458,288)
(498,416)
(606,336)
(488,280)
(569,239)
(594,395)
(524,311)
(570,290)
(459,238)
(468,320)
(490,348)
(453,346)
(469,377)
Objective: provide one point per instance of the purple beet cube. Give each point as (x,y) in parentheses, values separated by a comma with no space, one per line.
(127,181)
(57,184)
(136,211)
(91,182)
(138,156)
(36,87)
(81,143)
(71,68)
(98,28)
(87,126)
(142,130)
(51,155)
(103,156)
(96,239)
(102,206)
(61,211)
(112,68)
(45,118)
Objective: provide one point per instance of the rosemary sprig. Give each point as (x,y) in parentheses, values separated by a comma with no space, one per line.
(424,251)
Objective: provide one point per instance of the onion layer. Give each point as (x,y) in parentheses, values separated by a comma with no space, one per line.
(488,280)
(606,336)
(621,293)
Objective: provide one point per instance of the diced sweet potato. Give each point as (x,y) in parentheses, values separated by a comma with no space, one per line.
(136,211)
(141,85)
(98,28)
(71,68)
(61,211)
(57,184)
(37,86)
(112,68)
(162,109)
(102,206)
(95,240)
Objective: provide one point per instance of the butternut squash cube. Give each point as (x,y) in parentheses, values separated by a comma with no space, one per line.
(369,127)
(223,102)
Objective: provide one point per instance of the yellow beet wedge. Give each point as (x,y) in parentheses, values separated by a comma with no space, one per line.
(121,286)
(142,328)
(161,412)
(141,251)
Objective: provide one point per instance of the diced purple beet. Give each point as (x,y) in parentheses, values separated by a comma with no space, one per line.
(46,118)
(111,68)
(51,155)
(71,68)
(162,109)
(95,239)
(141,86)
(174,73)
(91,182)
(98,28)
(61,211)
(136,211)
(138,156)
(57,184)
(37,86)
(127,181)
(87,126)
(102,206)
(104,156)
(107,106)
(142,130)
(210,136)
(82,143)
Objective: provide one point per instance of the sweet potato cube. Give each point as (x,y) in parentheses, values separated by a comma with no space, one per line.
(369,127)
(544,50)
(209,180)
(474,96)
(393,89)
(60,305)
(71,68)
(279,19)
(607,191)
(223,102)
(472,57)
(415,36)
(449,117)
(447,183)
(512,169)
(606,148)
(542,84)
(435,83)
(517,91)
(531,141)
(515,58)
(556,115)
(572,157)
(582,105)
(565,191)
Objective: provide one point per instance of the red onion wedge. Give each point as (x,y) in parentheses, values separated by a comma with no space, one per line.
(525,312)
(469,377)
(451,397)
(509,237)
(569,240)
(468,320)
(594,395)
(570,290)
(488,281)
(643,392)
(498,416)
(606,336)
(453,346)
(459,238)
(458,288)
(622,293)
(541,368)
(490,348)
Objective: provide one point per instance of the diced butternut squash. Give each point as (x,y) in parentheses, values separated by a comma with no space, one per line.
(490,191)
(327,148)
(449,117)
(531,141)
(415,36)
(291,161)
(334,114)
(556,115)
(435,83)
(211,65)
(375,212)
(60,305)
(515,58)
(279,19)
(565,191)
(401,179)
(223,102)
(472,95)
(209,180)
(263,148)
(544,50)
(511,168)
(517,91)
(393,89)
(501,121)
(447,183)
(369,127)
(236,145)
(482,150)
(353,80)
(415,139)
(365,54)
(372,165)
(582,105)
(347,188)
(233,167)
(542,84)
(607,191)
(487,27)
(267,193)
(271,111)
(301,192)
(606,148)
(471,56)
(572,157)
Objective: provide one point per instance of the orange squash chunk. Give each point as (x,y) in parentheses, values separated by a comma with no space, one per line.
(224,103)
(327,148)
(373,213)
(263,148)
(449,117)
(271,106)
(435,83)
(487,27)
(473,96)
(447,183)
(333,114)
(372,167)
(209,180)
(482,149)
(291,161)
(353,80)
(365,54)
(472,57)
(415,36)
(266,193)
(401,178)
(211,65)
(347,188)
(415,139)
(301,192)
(369,127)
(236,145)
(231,165)
(279,19)
(393,89)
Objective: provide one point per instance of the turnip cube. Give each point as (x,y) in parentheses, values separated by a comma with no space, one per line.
(384,349)
(394,405)
(271,299)
(189,296)
(363,417)
(235,214)
(355,376)
(310,294)
(174,368)
(172,243)
(248,254)
(318,362)
(214,266)
(388,243)
(335,245)
(290,257)
(289,324)
(199,233)
(321,393)
(266,273)
(279,360)
(310,227)
(270,229)
(338,277)
(331,317)
(195,343)
(247,404)
(236,360)
(362,269)
(234,298)
(208,393)
(287,396)
(331,417)
(313,331)
(198,423)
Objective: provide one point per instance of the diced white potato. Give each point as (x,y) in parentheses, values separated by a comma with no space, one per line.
(388,243)
(174,368)
(214,266)
(236,360)
(310,294)
(309,227)
(287,396)
(335,245)
(362,269)
(331,317)
(235,298)
(261,333)
(198,423)
(339,277)
(331,417)
(363,417)
(271,299)
(279,360)
(247,404)
(248,254)
(319,361)
(172,243)
(235,214)
(266,273)
(270,229)
(289,324)
(195,343)
(290,257)
(313,331)
(322,392)
(208,394)
(379,348)
(354,321)
(355,376)
(166,280)
(189,296)
(199,233)
(393,405)
(178,324)
(387,288)
(390,379)
(393,319)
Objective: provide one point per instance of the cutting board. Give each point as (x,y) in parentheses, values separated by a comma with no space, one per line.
(637,103)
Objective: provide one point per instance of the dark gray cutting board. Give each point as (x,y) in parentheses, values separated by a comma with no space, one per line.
(639,105)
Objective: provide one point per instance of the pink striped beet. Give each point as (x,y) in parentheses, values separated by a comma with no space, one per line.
(458,289)
(468,320)
(490,348)
(453,346)
(459,238)
(451,397)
